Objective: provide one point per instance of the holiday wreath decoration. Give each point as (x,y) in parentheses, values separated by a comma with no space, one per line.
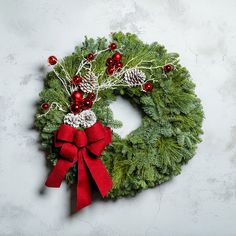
(76,122)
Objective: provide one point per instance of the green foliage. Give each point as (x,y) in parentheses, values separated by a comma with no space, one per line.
(171,124)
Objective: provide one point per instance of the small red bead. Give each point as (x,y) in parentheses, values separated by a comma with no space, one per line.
(110,70)
(119,65)
(110,62)
(90,57)
(76,79)
(52,60)
(77,96)
(87,103)
(167,68)
(112,46)
(75,108)
(117,56)
(91,96)
(147,87)
(45,106)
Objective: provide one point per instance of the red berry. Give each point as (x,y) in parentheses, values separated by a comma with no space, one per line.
(147,86)
(76,79)
(110,62)
(75,108)
(90,57)
(87,103)
(110,70)
(91,96)
(45,106)
(119,65)
(167,68)
(117,56)
(112,46)
(52,60)
(77,96)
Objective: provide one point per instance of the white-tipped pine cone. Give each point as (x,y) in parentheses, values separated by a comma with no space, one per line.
(89,83)
(87,118)
(72,120)
(134,77)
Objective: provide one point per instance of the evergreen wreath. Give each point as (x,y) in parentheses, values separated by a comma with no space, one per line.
(80,88)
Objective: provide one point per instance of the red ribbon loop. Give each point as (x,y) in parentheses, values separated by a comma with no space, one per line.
(82,146)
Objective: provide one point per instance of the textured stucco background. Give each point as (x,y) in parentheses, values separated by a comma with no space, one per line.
(202,200)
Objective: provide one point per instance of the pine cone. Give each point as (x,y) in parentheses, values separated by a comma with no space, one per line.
(134,77)
(89,83)
(72,120)
(85,119)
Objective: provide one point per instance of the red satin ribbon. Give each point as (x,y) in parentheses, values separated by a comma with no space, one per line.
(84,147)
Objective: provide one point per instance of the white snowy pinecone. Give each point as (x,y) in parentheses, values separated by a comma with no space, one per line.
(72,120)
(134,77)
(89,83)
(87,118)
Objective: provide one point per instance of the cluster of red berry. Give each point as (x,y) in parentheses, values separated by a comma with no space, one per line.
(114,63)
(79,103)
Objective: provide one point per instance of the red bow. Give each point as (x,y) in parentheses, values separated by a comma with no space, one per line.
(82,146)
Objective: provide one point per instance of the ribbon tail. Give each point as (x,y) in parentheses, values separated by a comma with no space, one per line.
(99,174)
(58,173)
(84,197)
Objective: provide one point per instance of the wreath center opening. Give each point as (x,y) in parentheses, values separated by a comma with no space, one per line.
(128,114)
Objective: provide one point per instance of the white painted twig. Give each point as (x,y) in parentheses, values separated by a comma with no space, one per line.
(53,106)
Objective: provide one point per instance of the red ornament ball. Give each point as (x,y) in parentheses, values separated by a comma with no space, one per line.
(90,57)
(75,108)
(87,103)
(110,70)
(110,62)
(91,96)
(167,68)
(112,46)
(119,65)
(76,79)
(52,60)
(147,87)
(77,96)
(117,56)
(45,106)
